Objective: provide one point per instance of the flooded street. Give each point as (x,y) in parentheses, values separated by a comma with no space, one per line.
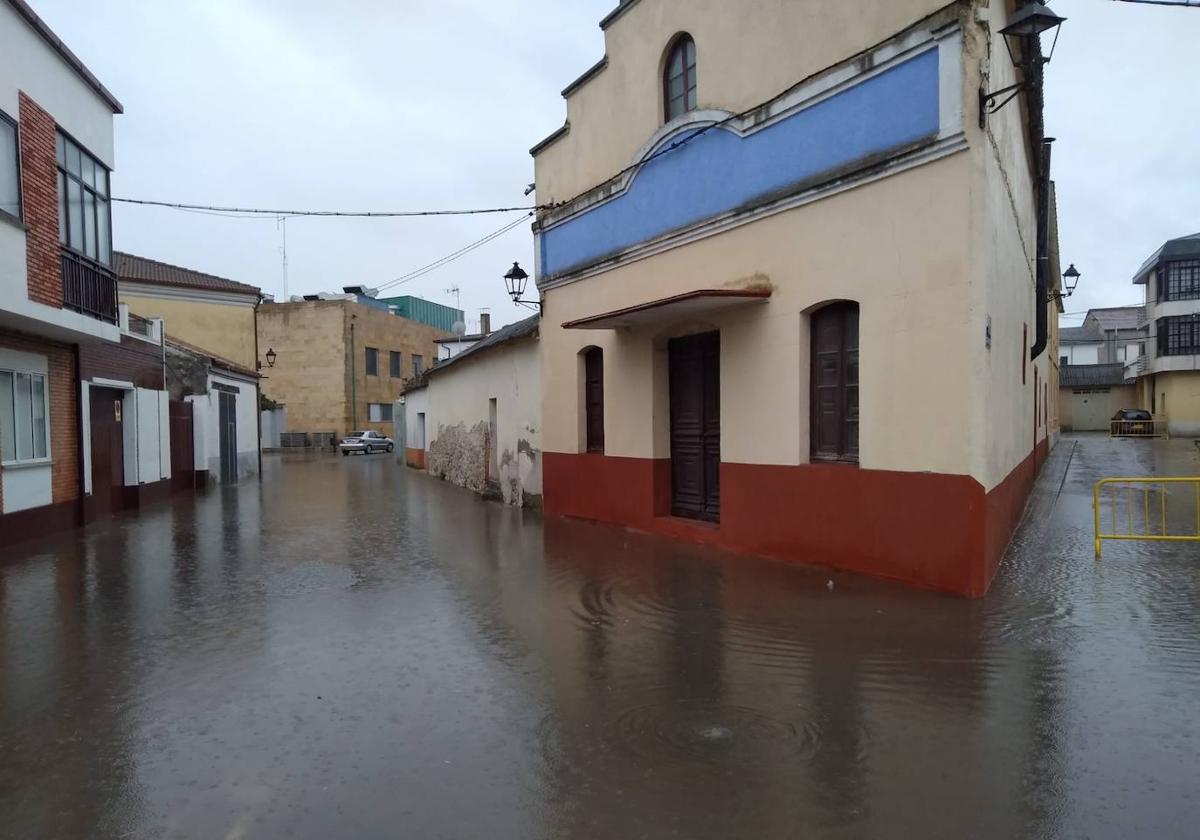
(352,650)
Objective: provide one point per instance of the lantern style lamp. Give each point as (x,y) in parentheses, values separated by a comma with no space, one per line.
(515,281)
(1020,35)
(271,357)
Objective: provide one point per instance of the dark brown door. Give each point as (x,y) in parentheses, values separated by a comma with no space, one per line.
(593,396)
(835,383)
(108,450)
(695,374)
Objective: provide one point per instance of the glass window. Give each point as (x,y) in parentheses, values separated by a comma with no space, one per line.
(8,430)
(24,431)
(379,413)
(74,214)
(84,216)
(10,172)
(1183,280)
(394,365)
(38,411)
(60,150)
(679,78)
(418,363)
(89,224)
(372,361)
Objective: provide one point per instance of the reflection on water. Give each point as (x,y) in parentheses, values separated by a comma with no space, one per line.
(353,650)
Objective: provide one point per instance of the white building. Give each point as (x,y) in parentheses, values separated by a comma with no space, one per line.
(475,419)
(1169,373)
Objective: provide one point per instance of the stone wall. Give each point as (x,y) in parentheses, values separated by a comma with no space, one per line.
(460,455)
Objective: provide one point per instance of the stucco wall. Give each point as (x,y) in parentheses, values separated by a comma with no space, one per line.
(223,329)
(312,373)
(898,247)
(458,442)
(745,57)
(1181,391)
(206,429)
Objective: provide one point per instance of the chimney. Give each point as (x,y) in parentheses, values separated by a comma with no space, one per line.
(485,324)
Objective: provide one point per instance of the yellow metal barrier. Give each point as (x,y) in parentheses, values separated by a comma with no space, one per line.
(1152,517)
(1138,428)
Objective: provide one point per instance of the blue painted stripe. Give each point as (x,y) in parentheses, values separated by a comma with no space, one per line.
(720,171)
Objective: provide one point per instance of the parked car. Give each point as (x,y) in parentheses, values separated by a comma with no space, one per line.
(1133,421)
(366,443)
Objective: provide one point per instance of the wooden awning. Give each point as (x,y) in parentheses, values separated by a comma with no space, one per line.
(701,302)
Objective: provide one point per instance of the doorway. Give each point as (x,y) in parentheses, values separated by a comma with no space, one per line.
(108,449)
(227,429)
(694,364)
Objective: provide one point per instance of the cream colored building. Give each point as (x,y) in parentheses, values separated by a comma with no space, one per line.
(792,299)
(210,312)
(1169,372)
(340,365)
(475,419)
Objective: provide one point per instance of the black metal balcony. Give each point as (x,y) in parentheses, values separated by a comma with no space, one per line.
(88,287)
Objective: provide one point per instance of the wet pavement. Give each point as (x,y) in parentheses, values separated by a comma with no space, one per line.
(355,650)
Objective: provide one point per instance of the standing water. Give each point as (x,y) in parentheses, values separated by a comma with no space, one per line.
(352,649)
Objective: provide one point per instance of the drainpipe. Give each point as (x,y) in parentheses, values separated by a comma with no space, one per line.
(353,379)
(258,394)
(1043,253)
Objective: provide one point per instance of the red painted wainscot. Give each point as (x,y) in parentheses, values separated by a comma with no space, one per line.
(929,530)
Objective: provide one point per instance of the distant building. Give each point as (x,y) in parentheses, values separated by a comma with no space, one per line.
(58,294)
(448,348)
(224,401)
(1168,374)
(205,310)
(339,364)
(1107,336)
(423,311)
(796,285)
(475,419)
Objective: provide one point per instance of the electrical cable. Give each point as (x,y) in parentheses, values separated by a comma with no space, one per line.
(455,255)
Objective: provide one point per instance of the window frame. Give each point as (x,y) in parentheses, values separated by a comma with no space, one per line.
(371,361)
(384,408)
(418,363)
(1179,335)
(1171,283)
(63,180)
(395,364)
(35,459)
(16,127)
(690,75)
(845,453)
(593,409)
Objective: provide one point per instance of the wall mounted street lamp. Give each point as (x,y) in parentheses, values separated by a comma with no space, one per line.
(515,281)
(1020,36)
(271,357)
(1071,281)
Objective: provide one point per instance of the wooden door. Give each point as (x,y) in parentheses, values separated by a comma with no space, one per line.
(834,383)
(695,393)
(108,449)
(593,396)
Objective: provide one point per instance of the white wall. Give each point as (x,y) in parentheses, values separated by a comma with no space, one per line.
(416,403)
(207,440)
(29,64)
(1081,354)
(510,374)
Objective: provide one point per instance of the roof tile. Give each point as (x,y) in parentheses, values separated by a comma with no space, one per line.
(132,268)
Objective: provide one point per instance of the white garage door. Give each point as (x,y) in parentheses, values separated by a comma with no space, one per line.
(1090,410)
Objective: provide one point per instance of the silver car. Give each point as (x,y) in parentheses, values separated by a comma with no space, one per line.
(366,443)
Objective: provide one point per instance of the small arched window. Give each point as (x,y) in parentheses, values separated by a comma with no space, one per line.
(679,78)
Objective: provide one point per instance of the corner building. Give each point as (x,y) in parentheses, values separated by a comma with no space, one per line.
(795,297)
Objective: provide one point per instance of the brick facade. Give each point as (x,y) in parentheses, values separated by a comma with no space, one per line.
(39,197)
(132,360)
(64,411)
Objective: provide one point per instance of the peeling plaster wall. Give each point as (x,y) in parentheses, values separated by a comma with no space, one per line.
(460,446)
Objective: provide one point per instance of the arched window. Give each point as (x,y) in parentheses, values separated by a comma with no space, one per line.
(834,383)
(593,398)
(679,77)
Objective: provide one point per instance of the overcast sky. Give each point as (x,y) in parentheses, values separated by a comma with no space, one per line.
(408,104)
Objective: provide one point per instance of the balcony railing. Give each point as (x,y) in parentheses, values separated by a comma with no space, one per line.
(89,288)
